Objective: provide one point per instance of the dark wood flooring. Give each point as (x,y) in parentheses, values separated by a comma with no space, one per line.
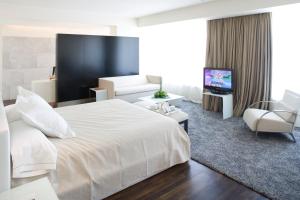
(8,102)
(191,181)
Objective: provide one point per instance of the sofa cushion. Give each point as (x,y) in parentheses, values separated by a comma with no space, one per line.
(124,81)
(136,89)
(271,122)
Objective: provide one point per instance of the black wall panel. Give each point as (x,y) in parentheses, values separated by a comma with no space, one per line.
(82,59)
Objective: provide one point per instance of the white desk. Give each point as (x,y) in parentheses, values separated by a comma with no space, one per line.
(227,100)
(40,189)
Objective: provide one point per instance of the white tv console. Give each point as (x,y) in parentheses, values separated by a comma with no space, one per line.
(227,100)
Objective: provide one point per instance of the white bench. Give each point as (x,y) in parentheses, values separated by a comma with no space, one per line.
(180,116)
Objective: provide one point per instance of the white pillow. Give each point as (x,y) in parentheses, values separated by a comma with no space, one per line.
(25,93)
(32,153)
(38,113)
(12,113)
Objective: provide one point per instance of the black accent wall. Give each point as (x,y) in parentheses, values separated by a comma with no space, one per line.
(82,59)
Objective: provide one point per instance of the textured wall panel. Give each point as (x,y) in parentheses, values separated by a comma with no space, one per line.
(25,59)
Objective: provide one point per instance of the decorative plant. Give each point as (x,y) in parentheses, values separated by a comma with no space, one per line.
(160,93)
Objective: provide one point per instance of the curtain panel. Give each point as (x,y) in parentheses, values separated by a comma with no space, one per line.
(243,44)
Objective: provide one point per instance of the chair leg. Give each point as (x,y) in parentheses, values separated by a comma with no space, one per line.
(292,135)
(256,133)
(186,126)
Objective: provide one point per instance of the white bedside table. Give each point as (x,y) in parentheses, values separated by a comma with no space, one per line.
(101,94)
(40,189)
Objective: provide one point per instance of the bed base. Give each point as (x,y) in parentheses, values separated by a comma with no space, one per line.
(4,151)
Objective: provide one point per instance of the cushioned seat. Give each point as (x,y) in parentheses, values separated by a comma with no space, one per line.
(180,116)
(282,117)
(271,122)
(130,88)
(136,89)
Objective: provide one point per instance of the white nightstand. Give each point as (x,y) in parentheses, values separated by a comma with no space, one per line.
(45,88)
(101,94)
(40,189)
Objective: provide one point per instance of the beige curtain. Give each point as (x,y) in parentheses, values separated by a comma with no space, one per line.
(244,45)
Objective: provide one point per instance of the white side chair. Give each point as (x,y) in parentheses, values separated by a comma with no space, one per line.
(282,117)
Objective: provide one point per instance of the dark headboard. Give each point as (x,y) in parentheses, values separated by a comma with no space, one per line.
(82,59)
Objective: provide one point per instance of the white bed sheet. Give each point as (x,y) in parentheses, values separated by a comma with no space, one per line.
(117,145)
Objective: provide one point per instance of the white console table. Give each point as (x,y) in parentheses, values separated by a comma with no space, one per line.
(227,100)
(45,88)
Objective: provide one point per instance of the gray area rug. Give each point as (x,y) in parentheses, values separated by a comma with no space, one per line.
(269,163)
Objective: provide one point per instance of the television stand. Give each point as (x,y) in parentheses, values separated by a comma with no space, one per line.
(219,92)
(227,100)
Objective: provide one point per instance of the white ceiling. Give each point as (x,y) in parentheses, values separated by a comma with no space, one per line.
(107,8)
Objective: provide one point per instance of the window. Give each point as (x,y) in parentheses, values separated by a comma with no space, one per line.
(175,51)
(286,50)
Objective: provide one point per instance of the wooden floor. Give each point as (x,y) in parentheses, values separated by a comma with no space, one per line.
(188,181)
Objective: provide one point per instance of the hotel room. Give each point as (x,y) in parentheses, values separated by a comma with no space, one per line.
(173,99)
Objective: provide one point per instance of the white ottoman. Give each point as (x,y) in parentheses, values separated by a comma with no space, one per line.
(180,116)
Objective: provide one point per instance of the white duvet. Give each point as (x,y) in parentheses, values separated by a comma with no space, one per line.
(117,145)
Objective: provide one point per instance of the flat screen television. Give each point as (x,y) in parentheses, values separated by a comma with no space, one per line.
(218,80)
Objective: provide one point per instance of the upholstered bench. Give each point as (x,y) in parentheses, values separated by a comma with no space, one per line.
(180,116)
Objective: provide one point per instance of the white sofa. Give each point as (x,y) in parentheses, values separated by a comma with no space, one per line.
(130,88)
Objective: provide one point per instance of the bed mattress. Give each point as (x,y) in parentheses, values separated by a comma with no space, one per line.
(117,145)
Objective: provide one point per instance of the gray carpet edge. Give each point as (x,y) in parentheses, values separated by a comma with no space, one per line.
(261,177)
(231,178)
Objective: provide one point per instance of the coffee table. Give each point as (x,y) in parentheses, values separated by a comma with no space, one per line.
(171,98)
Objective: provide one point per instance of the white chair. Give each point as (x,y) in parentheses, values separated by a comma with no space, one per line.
(282,117)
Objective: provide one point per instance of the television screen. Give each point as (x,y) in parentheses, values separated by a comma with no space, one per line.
(219,79)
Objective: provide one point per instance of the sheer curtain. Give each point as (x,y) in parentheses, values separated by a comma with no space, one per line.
(176,51)
(286,50)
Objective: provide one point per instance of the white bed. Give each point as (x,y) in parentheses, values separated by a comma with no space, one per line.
(117,145)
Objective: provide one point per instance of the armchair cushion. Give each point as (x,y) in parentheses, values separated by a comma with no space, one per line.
(287,116)
(271,122)
(136,89)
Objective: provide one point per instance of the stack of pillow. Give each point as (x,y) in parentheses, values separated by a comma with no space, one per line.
(31,121)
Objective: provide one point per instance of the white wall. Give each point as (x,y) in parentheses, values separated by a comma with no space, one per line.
(28,52)
(44,22)
(175,51)
(213,9)
(286,46)
(0,61)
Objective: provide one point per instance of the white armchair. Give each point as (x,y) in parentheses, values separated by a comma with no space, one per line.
(283,116)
